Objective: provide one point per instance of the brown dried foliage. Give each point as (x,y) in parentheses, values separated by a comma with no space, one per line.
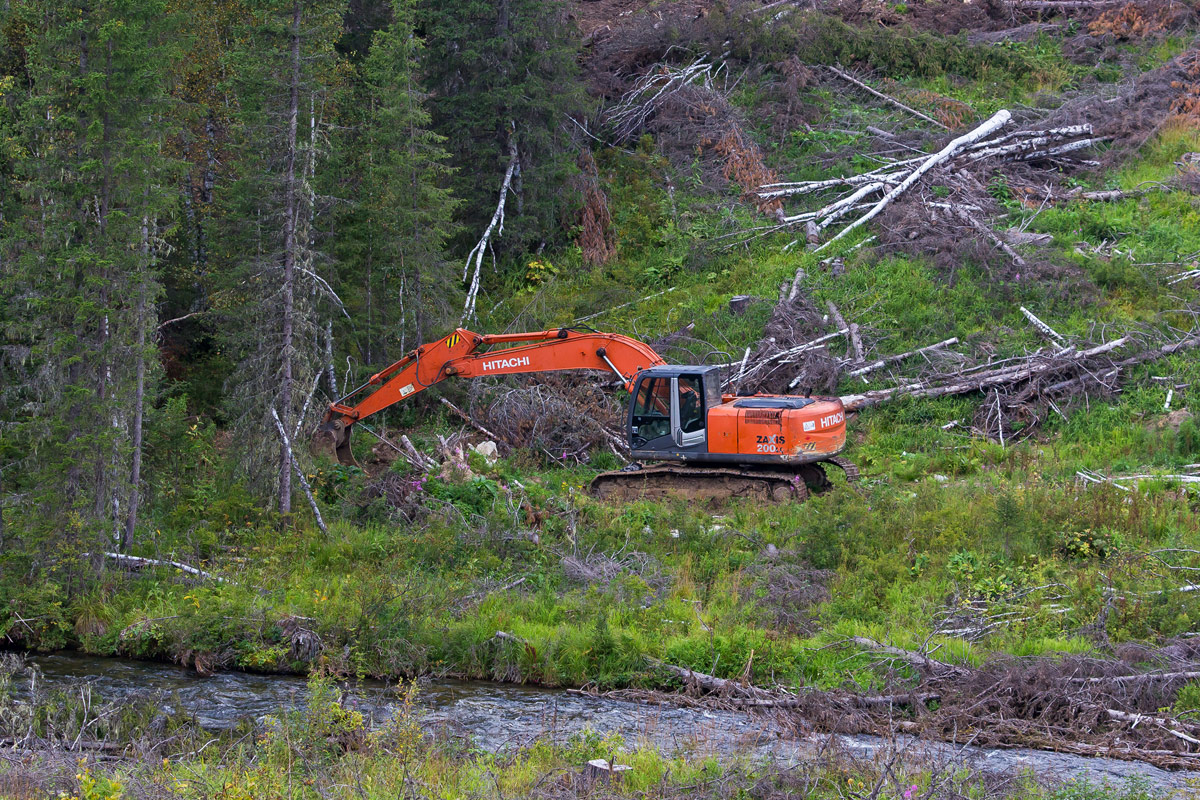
(596,238)
(1128,22)
(1187,103)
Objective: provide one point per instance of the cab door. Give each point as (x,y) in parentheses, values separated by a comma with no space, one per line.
(688,412)
(650,416)
(669,413)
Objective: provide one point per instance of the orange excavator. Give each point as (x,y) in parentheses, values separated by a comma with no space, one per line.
(686,437)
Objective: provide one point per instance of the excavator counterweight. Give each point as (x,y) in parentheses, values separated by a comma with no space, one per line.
(700,442)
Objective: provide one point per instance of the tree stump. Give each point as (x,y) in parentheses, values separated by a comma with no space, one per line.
(600,770)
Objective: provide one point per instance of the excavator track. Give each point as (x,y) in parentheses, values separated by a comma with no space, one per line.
(848,467)
(697,483)
(715,484)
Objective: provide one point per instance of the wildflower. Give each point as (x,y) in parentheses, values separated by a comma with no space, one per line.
(910,792)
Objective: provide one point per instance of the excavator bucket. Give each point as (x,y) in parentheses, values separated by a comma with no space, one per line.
(332,440)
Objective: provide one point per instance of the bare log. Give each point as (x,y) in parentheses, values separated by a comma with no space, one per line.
(883,362)
(1054,336)
(138,562)
(1145,677)
(997,121)
(885,98)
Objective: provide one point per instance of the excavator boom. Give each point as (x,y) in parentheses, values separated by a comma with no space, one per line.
(465,354)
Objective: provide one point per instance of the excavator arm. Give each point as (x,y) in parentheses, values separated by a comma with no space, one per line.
(464,354)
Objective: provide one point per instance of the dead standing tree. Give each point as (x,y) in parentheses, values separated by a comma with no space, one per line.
(495,227)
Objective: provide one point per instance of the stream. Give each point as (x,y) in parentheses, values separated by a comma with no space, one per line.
(496,716)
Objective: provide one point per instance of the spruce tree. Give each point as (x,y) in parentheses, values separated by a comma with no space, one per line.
(283,74)
(503,74)
(90,187)
(405,210)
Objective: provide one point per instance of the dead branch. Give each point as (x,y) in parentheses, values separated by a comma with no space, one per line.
(883,362)
(885,98)
(465,417)
(300,476)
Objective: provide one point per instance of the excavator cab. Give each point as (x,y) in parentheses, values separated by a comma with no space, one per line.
(669,410)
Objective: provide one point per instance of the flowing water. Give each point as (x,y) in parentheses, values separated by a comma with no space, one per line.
(495,716)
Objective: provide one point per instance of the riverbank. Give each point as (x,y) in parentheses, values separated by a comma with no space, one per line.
(454,734)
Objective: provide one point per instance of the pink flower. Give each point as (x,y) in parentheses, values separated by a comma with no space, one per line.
(910,792)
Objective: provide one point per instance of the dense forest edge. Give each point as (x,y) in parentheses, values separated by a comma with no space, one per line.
(218,217)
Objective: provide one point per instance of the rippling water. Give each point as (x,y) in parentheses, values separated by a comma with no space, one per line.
(496,716)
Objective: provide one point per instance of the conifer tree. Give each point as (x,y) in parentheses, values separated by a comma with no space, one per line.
(405,209)
(91,186)
(504,79)
(283,75)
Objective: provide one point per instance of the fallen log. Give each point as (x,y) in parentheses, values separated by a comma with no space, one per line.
(997,121)
(711,683)
(138,562)
(883,362)
(915,659)
(1144,677)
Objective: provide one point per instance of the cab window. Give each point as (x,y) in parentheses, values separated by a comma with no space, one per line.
(691,403)
(652,408)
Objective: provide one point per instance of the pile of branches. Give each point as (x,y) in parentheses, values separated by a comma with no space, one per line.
(942,195)
(1079,705)
(685,109)
(564,418)
(1019,392)
(793,356)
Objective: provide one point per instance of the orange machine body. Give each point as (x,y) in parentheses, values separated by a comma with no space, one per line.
(790,429)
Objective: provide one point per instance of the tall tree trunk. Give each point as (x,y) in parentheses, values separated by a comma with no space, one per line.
(139,391)
(289,266)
